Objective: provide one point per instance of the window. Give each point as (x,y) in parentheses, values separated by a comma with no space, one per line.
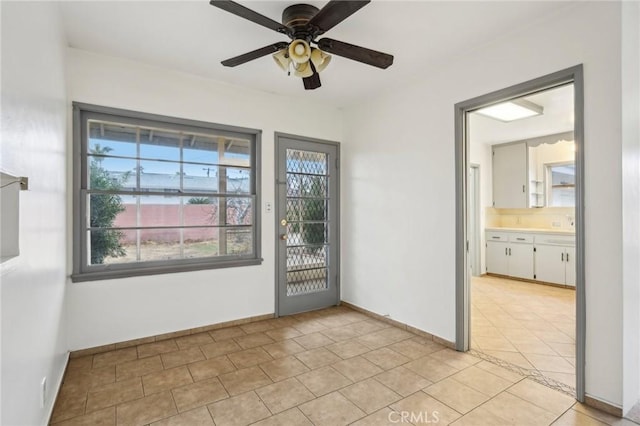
(155,194)
(561,181)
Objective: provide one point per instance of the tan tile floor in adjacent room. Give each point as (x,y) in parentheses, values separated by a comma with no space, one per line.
(331,367)
(529,325)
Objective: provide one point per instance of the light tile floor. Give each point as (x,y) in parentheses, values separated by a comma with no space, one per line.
(529,325)
(330,367)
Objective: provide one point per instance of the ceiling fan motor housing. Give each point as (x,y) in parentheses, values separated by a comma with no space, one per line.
(296,17)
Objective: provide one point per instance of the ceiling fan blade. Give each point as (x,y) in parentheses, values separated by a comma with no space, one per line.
(246,13)
(357,53)
(335,12)
(313,82)
(254,54)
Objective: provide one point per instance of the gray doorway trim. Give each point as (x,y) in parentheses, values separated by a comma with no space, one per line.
(278,136)
(570,75)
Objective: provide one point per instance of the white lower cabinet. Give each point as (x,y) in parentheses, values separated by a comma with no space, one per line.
(555,264)
(521,260)
(497,259)
(510,254)
(533,256)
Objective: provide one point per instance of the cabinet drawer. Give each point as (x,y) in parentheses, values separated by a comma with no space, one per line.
(521,238)
(555,240)
(497,236)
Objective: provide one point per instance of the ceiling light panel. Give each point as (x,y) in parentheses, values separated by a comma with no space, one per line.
(511,110)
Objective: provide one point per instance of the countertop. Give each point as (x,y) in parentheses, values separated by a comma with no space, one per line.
(534,230)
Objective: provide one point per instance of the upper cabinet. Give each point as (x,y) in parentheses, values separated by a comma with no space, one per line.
(538,172)
(510,176)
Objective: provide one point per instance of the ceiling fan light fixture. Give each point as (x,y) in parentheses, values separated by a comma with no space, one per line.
(319,59)
(299,51)
(302,70)
(282,59)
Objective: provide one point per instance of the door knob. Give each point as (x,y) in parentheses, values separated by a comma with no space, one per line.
(283,237)
(283,222)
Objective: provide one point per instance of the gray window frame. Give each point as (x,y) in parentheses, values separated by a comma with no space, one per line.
(82,271)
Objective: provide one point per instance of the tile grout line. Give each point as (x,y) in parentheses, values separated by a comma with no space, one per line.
(534,375)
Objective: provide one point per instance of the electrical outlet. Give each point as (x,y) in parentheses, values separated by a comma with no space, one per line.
(43,392)
(269,207)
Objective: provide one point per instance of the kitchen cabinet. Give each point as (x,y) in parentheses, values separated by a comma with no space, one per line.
(497,258)
(510,254)
(510,176)
(555,259)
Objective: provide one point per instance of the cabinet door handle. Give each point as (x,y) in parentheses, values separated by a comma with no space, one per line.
(506,253)
(523,188)
(562,256)
(509,252)
(496,238)
(567,257)
(520,239)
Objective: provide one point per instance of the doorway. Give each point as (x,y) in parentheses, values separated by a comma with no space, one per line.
(307,224)
(528,192)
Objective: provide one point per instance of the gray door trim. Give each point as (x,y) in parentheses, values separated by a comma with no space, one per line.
(570,75)
(278,136)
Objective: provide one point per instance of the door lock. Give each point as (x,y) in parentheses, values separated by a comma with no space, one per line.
(283,222)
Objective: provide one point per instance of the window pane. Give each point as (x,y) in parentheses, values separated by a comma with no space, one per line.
(306,257)
(239,211)
(111,174)
(313,210)
(110,246)
(160,244)
(238,181)
(306,162)
(200,242)
(200,178)
(159,144)
(200,149)
(201,211)
(307,186)
(112,139)
(239,241)
(159,176)
(109,210)
(306,234)
(159,211)
(237,152)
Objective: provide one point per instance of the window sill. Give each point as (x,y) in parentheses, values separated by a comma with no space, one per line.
(159,270)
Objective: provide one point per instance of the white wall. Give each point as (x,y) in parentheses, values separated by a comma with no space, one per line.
(33,145)
(111,311)
(631,201)
(408,136)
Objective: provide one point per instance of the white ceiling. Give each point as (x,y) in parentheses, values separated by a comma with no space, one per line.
(193,36)
(557,117)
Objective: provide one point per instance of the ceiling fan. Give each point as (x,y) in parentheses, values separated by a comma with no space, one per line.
(303,23)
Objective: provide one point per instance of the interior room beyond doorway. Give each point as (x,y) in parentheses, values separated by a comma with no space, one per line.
(523,302)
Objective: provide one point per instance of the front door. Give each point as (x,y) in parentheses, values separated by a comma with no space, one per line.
(307,224)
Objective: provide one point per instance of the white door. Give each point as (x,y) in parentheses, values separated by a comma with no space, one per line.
(521,260)
(550,264)
(510,176)
(497,257)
